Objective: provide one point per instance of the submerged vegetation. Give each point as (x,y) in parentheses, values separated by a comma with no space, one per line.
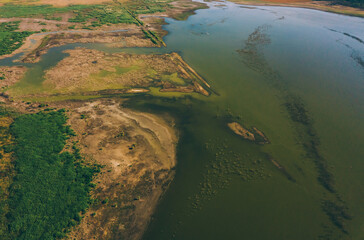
(253,57)
(310,142)
(337,214)
(225,166)
(51,187)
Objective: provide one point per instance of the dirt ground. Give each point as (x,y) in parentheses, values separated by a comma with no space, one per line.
(137,151)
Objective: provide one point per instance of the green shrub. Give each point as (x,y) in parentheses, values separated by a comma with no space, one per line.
(50,188)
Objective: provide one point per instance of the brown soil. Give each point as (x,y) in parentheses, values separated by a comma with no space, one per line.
(137,151)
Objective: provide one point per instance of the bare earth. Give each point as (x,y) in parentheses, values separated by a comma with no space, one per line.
(137,151)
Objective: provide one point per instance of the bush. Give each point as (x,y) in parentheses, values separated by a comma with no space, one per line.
(50,188)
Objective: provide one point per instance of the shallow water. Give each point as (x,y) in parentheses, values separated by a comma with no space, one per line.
(261,61)
(258,59)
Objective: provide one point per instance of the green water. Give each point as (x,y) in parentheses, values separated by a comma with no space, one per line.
(260,63)
(295,74)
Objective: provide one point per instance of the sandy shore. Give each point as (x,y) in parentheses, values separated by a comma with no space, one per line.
(138,154)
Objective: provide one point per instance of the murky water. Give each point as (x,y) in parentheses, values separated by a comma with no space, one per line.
(262,60)
(295,74)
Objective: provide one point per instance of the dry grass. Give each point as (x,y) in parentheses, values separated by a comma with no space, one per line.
(88,70)
(10,75)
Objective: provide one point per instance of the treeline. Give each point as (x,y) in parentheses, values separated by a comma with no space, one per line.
(351,3)
(51,187)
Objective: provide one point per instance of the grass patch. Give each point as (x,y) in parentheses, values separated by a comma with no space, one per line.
(173,78)
(109,14)
(122,70)
(45,11)
(97,15)
(147,6)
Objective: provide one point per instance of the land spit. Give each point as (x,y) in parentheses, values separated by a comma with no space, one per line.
(137,151)
(92,72)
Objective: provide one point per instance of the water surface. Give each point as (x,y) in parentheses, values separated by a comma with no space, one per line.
(259,59)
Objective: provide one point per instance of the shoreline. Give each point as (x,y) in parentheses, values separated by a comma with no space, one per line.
(313,5)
